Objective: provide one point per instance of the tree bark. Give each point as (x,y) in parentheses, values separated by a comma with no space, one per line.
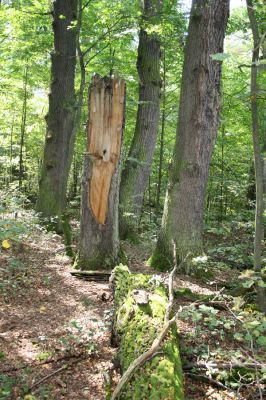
(59,141)
(137,168)
(258,159)
(99,240)
(11,150)
(160,168)
(196,133)
(23,129)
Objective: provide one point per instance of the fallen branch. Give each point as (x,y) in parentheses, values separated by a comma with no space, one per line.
(214,382)
(52,374)
(50,361)
(171,283)
(219,305)
(48,376)
(228,365)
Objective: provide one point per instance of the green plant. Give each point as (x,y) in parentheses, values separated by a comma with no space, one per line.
(6,386)
(252,278)
(78,338)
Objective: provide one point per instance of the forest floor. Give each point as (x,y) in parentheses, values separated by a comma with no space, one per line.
(55,329)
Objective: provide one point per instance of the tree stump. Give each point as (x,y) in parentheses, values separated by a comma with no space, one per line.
(99,240)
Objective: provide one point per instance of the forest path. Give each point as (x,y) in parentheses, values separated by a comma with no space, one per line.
(51,318)
(52,322)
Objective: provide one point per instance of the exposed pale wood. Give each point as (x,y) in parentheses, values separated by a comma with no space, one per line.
(99,240)
(104,140)
(141,296)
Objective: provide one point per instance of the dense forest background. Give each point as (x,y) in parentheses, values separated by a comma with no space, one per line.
(25,77)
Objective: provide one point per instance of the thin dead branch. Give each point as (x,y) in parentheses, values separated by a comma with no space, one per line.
(214,382)
(66,357)
(48,376)
(227,365)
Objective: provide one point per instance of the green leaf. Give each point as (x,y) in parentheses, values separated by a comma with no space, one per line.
(238,336)
(248,284)
(262,341)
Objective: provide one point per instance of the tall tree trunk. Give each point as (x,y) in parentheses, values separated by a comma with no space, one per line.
(60,120)
(160,169)
(99,240)
(196,133)
(11,150)
(258,159)
(251,188)
(221,213)
(137,169)
(23,128)
(82,67)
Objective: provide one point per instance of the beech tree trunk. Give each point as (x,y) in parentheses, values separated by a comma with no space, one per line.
(196,133)
(99,240)
(137,168)
(60,120)
(23,129)
(258,156)
(162,134)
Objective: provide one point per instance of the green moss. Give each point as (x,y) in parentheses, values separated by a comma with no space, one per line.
(186,292)
(67,235)
(98,260)
(138,326)
(122,257)
(160,260)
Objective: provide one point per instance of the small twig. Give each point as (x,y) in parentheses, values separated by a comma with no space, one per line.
(110,29)
(244,65)
(218,294)
(171,282)
(48,376)
(211,380)
(52,374)
(171,286)
(86,5)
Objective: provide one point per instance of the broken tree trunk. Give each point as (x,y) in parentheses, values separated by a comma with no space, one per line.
(99,241)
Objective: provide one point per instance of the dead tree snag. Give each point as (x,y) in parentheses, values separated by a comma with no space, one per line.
(99,242)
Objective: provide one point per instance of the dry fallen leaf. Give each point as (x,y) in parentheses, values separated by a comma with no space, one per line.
(42,309)
(6,244)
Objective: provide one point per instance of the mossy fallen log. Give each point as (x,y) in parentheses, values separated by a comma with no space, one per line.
(141,302)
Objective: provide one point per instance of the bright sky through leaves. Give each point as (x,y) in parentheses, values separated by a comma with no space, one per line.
(233,3)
